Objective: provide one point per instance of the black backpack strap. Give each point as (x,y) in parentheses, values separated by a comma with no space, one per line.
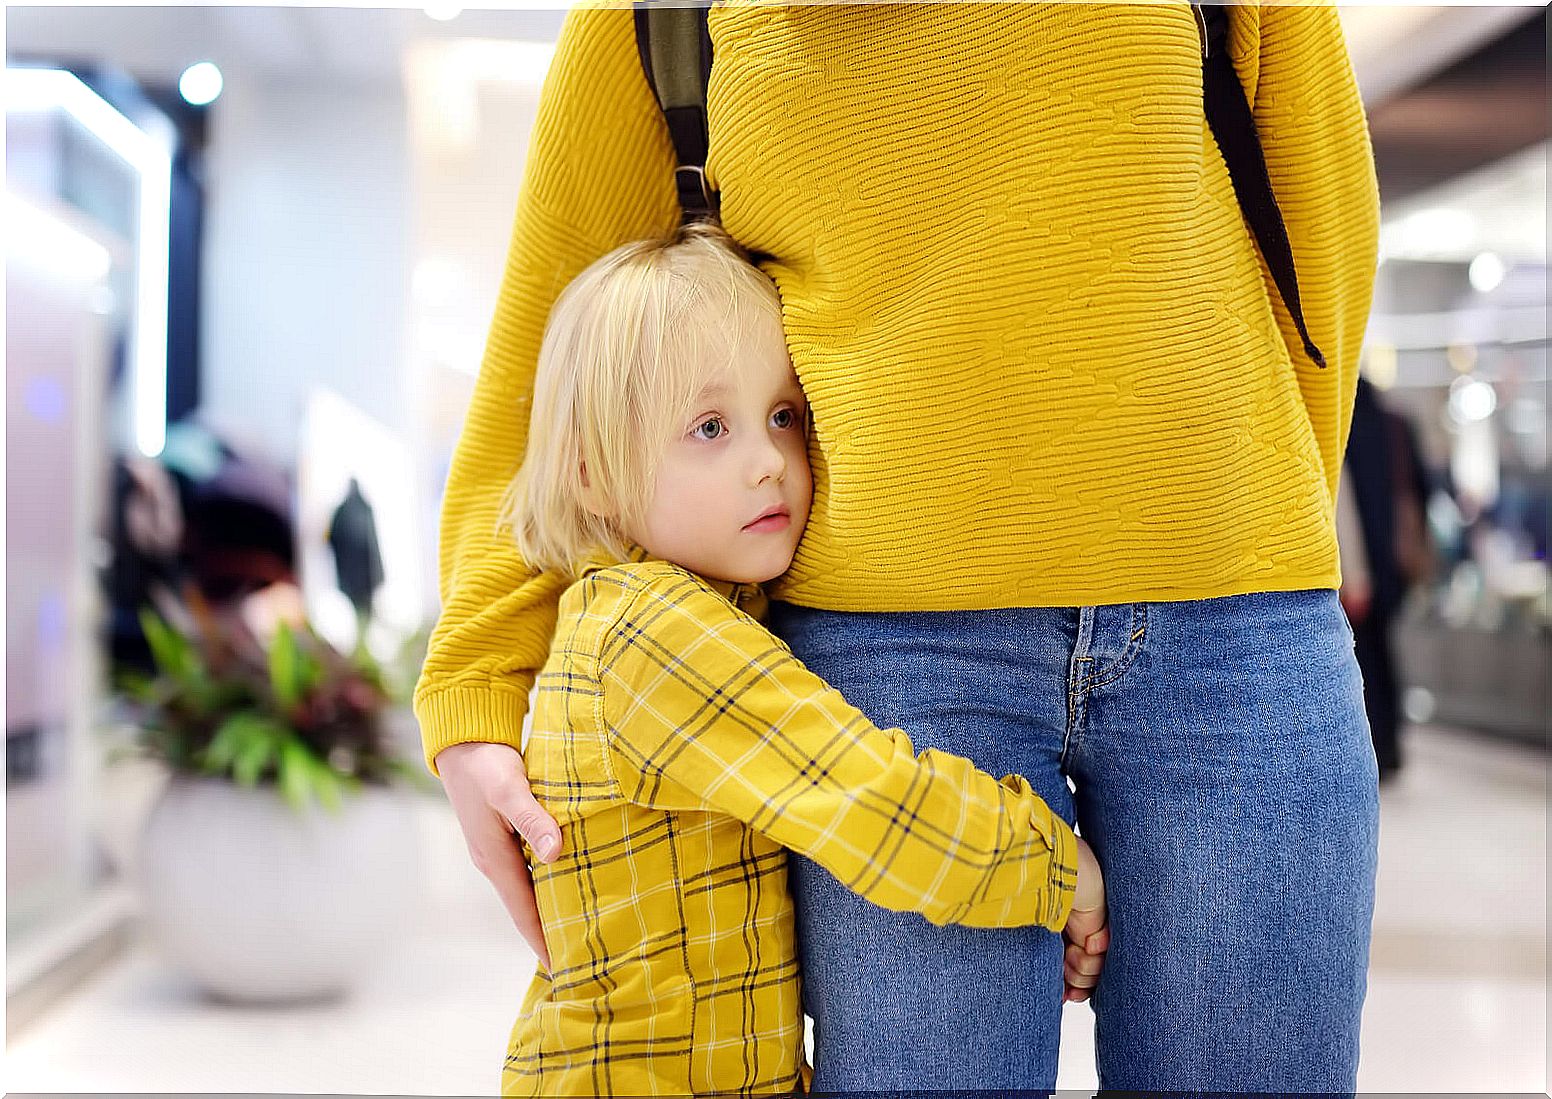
(675,49)
(1234,128)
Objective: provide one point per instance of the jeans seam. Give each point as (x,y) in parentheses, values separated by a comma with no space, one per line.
(1075,685)
(1074,716)
(1134,645)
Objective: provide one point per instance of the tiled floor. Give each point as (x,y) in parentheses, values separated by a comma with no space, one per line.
(1457,988)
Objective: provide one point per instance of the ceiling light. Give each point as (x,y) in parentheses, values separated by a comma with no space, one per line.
(1471,400)
(1486,272)
(52,244)
(200,83)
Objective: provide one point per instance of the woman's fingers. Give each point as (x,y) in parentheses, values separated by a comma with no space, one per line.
(490,795)
(480,776)
(512,797)
(504,866)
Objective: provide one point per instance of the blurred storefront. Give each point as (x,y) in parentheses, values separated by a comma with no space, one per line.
(88,219)
(236,294)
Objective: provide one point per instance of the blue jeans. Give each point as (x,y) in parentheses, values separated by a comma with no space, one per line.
(1226,780)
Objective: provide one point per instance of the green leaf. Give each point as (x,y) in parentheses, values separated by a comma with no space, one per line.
(257,754)
(328,785)
(311,669)
(210,696)
(228,740)
(138,686)
(173,653)
(285,667)
(296,773)
(243,745)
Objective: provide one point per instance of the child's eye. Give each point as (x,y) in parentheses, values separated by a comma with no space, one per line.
(709,429)
(784,418)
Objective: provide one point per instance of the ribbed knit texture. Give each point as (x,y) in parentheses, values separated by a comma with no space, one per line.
(1046,365)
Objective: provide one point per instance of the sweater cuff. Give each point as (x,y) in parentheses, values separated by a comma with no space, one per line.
(458,715)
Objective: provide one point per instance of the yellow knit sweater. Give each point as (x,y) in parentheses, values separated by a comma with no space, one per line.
(1046,364)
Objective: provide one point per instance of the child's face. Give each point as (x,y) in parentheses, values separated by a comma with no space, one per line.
(733,490)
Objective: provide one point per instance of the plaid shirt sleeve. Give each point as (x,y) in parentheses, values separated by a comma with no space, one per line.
(705,709)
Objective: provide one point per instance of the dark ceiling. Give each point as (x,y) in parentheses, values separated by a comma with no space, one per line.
(1484,107)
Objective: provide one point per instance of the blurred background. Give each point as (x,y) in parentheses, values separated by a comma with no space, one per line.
(251,256)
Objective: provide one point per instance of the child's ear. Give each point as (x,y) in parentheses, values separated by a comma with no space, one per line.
(590,500)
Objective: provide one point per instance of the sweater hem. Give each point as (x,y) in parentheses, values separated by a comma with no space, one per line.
(860,599)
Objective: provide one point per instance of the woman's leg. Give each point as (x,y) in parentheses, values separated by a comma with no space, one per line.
(1226,780)
(898,1003)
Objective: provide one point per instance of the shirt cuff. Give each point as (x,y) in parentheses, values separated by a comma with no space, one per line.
(1064,872)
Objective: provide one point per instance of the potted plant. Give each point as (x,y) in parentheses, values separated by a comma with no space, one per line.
(281,855)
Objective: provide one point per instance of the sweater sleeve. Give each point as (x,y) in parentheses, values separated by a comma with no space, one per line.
(599,173)
(1293,62)
(705,710)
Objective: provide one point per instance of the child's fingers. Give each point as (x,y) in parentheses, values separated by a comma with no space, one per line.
(1099,942)
(1076,993)
(1080,973)
(1083,925)
(1079,964)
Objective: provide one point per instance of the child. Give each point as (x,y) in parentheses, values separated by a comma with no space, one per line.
(678,743)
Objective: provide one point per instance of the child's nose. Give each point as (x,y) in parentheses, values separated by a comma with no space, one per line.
(770,463)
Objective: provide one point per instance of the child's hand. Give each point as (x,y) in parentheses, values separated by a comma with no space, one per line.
(1087,931)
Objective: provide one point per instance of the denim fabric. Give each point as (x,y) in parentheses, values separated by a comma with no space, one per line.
(1226,780)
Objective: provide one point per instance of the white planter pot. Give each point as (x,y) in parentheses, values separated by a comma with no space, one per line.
(261,903)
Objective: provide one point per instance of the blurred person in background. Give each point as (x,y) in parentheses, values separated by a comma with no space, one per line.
(358,562)
(1075,463)
(1386,550)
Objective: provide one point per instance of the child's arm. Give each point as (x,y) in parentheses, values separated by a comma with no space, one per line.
(707,710)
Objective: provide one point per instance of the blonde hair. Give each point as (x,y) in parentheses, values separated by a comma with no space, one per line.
(629,345)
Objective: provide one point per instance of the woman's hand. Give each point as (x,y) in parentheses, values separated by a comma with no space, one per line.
(1087,931)
(490,794)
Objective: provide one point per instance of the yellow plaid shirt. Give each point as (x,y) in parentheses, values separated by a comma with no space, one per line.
(683,749)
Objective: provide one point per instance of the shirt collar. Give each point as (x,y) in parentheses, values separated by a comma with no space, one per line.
(749,598)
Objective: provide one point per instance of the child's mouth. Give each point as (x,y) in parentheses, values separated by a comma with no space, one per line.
(778,520)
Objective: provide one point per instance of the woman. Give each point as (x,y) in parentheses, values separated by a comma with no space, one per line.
(1073,506)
